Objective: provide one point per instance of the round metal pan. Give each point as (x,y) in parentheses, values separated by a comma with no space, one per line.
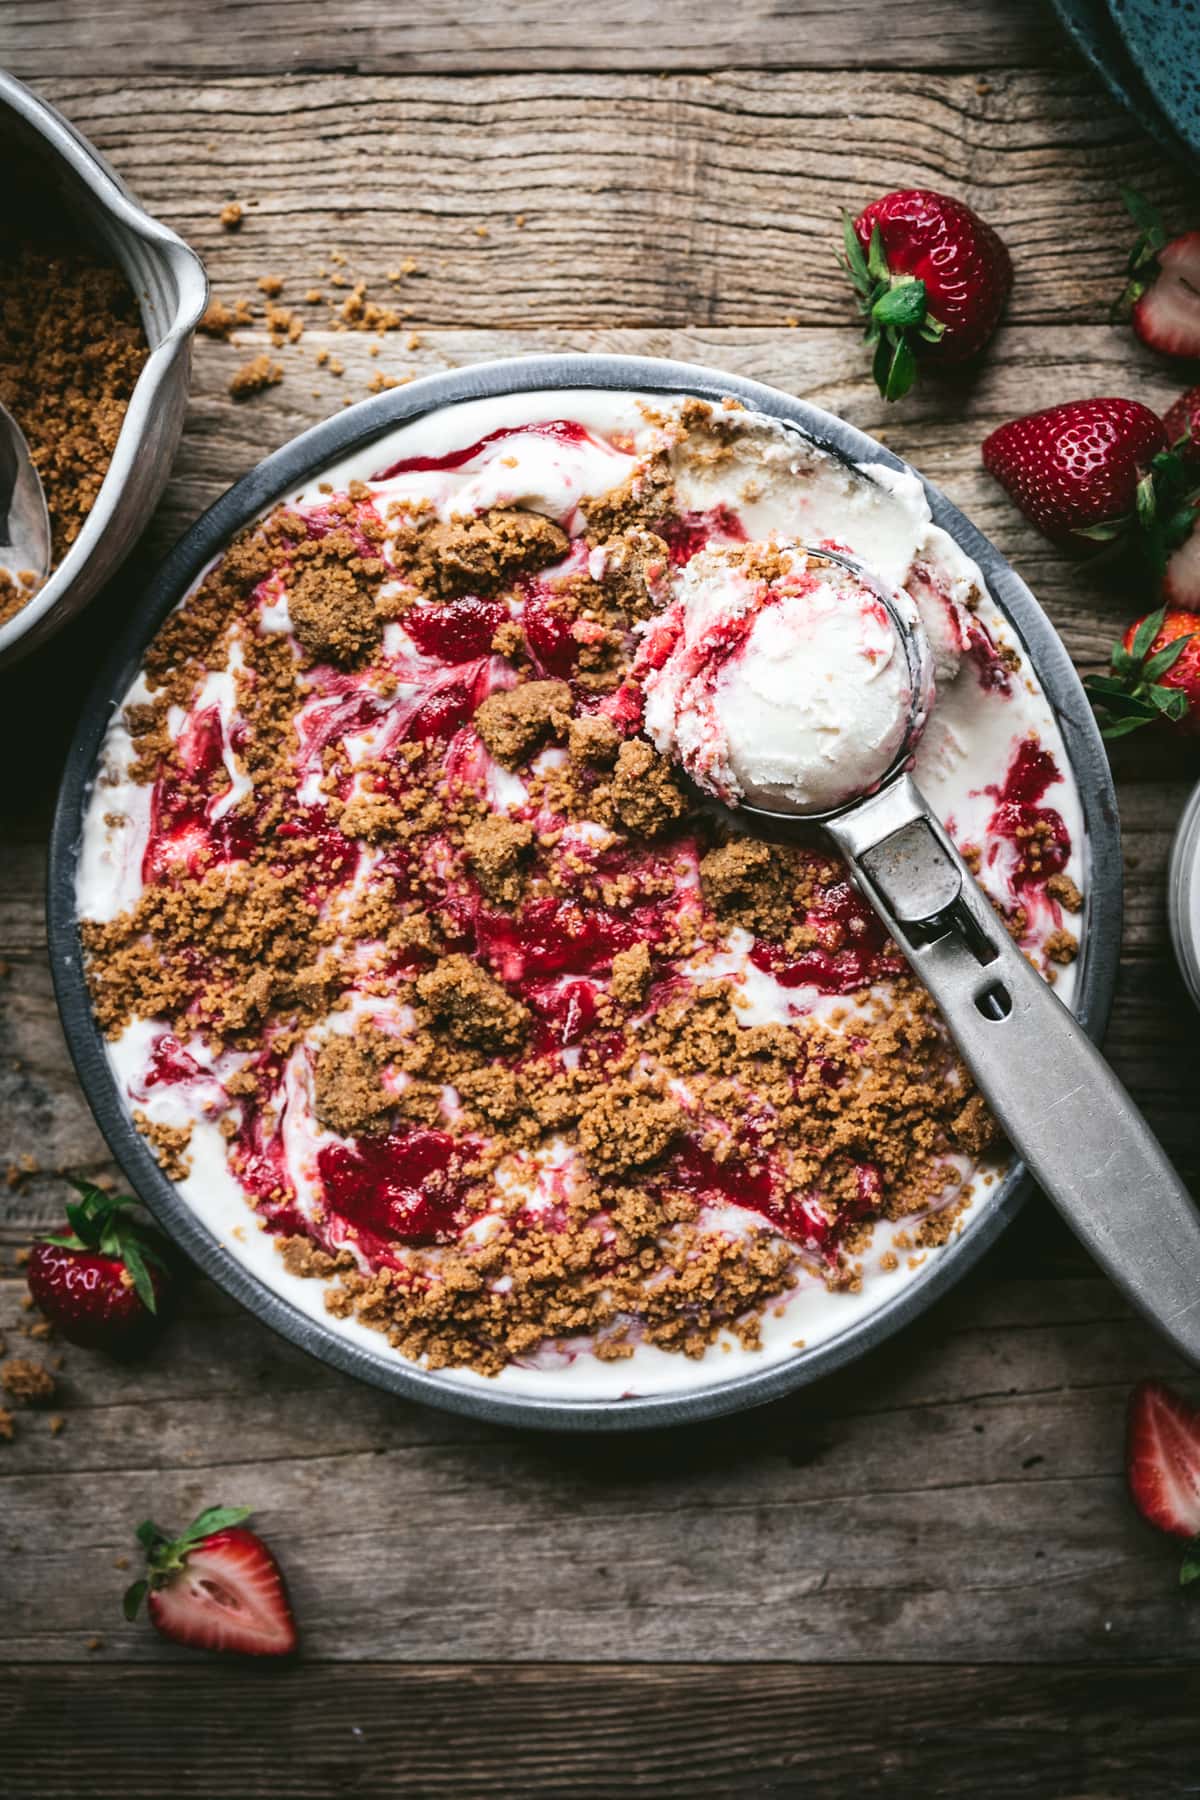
(281,474)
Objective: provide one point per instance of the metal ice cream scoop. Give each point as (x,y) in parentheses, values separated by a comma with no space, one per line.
(24,521)
(1058,1102)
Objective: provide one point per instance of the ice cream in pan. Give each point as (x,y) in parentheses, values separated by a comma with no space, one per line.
(446,967)
(791,684)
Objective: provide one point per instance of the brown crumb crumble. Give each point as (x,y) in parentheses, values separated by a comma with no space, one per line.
(517,721)
(26,1380)
(1064,890)
(71,351)
(431,1010)
(253,376)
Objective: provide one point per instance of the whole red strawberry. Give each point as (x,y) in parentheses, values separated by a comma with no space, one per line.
(931,278)
(1163,291)
(1182,421)
(1155,676)
(1162,1465)
(106,1279)
(217,1587)
(1074,470)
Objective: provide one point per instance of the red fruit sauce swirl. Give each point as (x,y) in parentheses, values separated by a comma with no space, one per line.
(404,1187)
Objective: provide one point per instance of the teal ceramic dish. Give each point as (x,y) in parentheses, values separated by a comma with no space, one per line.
(1091,28)
(1162,39)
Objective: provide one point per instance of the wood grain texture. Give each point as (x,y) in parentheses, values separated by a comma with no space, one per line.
(870,1557)
(592,1732)
(283,36)
(964,1501)
(689,200)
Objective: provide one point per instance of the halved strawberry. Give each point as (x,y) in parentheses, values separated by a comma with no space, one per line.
(1181,578)
(1162,1465)
(1167,317)
(1154,677)
(1182,421)
(1164,282)
(217,1587)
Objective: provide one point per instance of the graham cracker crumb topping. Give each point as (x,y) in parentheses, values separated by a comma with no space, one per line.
(466,978)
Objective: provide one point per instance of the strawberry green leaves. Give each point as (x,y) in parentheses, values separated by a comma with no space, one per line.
(1142,266)
(103,1223)
(1164,513)
(1134,694)
(1189,1570)
(166,1555)
(896,309)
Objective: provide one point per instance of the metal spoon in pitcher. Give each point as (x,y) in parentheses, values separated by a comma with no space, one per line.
(1053,1094)
(24,521)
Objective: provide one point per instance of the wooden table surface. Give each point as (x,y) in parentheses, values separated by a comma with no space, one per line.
(920,1576)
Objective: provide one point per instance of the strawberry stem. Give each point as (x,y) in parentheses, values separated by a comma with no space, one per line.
(166,1555)
(1190,1567)
(1141,268)
(1134,693)
(1164,515)
(896,309)
(102,1223)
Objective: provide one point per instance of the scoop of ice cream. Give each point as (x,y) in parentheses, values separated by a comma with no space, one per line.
(777,679)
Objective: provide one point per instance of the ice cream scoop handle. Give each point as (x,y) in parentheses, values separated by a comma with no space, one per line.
(1054,1095)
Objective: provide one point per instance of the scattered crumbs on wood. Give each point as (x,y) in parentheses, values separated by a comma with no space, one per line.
(253,376)
(231,216)
(26,1380)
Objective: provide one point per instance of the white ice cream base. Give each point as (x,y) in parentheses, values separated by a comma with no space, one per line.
(810,710)
(798,492)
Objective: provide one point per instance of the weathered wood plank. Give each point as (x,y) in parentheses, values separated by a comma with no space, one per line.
(685,200)
(983,1467)
(284,36)
(592,1731)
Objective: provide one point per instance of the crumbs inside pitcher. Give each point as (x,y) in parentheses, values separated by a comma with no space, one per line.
(71,350)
